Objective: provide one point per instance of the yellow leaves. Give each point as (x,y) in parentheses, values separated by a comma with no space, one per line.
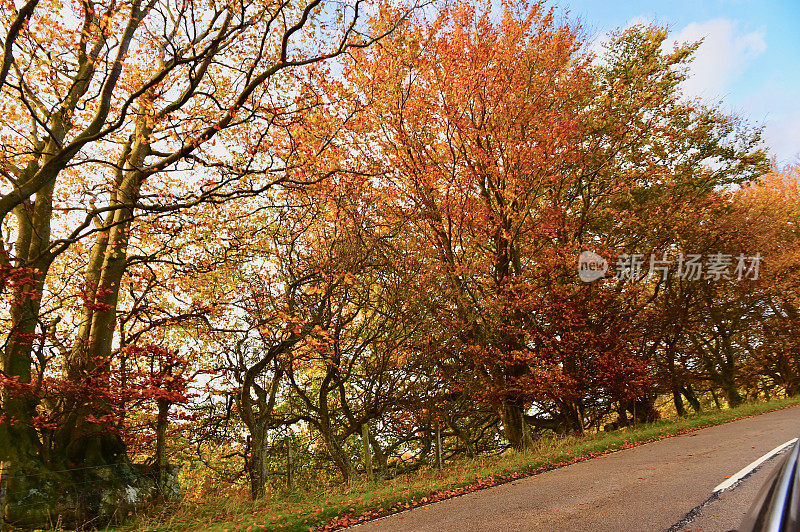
(318,330)
(314,290)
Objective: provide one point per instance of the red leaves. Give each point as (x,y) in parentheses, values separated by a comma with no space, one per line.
(92,297)
(14,384)
(108,420)
(164,379)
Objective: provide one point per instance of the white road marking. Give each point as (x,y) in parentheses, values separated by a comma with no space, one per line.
(748,468)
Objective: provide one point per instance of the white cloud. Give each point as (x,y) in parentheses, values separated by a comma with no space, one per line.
(775,107)
(782,135)
(721,59)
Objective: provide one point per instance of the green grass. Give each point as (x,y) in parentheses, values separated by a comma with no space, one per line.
(363,500)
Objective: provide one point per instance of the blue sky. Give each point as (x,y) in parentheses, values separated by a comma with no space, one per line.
(750,58)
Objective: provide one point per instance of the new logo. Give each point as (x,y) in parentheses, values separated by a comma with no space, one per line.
(591,266)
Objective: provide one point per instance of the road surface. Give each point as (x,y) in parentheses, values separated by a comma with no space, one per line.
(664,485)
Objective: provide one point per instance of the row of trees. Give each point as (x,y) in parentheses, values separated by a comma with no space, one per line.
(291,236)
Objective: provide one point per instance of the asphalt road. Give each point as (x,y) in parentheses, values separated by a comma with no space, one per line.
(650,487)
(727,511)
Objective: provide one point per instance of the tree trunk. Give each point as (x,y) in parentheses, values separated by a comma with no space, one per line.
(380,458)
(339,457)
(715,397)
(511,413)
(335,448)
(438,445)
(427,443)
(18,438)
(729,374)
(289,464)
(645,410)
(733,395)
(463,435)
(76,442)
(677,398)
(82,442)
(258,464)
(3,482)
(688,393)
(622,415)
(366,451)
(575,418)
(527,440)
(161,446)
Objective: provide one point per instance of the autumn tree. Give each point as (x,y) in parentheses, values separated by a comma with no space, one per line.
(332,313)
(471,103)
(104,110)
(516,152)
(360,251)
(754,316)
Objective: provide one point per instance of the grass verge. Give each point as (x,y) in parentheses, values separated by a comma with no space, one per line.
(342,506)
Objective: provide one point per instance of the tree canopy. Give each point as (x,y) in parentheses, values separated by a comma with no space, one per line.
(285,242)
